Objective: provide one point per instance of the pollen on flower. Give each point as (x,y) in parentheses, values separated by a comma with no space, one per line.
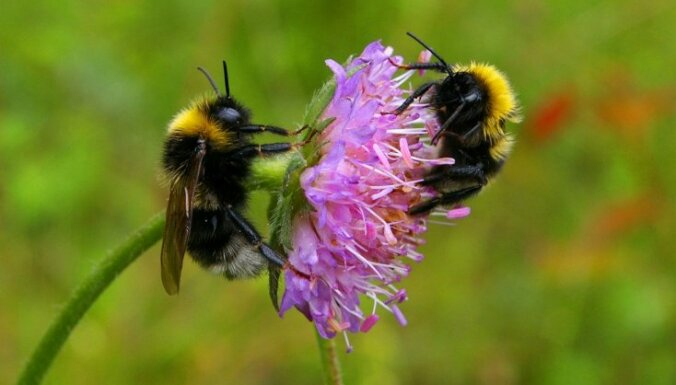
(353,245)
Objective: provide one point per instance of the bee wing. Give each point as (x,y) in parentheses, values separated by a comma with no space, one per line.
(179,219)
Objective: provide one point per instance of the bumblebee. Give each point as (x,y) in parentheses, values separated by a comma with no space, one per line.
(472,105)
(207,158)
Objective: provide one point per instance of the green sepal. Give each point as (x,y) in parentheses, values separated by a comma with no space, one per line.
(267,173)
(288,201)
(317,105)
(283,207)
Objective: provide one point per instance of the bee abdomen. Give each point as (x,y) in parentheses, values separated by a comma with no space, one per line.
(217,246)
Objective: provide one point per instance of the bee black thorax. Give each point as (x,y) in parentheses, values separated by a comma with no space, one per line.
(222,175)
(465,99)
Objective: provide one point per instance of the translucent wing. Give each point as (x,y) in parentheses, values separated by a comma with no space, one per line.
(179,217)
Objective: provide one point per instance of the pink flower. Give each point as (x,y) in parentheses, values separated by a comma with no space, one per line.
(355,242)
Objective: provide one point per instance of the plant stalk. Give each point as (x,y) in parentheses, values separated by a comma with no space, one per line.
(330,362)
(84,296)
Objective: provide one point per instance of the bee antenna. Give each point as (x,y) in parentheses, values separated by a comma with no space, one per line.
(427,47)
(227,81)
(210,79)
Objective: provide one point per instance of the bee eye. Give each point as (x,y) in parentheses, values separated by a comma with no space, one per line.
(229,115)
(472,96)
(214,223)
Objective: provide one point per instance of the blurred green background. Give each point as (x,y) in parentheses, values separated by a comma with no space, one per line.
(563,274)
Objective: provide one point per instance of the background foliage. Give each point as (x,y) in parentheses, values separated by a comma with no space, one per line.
(564,273)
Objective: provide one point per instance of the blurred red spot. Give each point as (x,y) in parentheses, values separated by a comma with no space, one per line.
(551,114)
(616,219)
(633,113)
(592,253)
(627,109)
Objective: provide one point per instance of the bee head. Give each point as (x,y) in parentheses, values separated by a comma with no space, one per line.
(469,90)
(225,109)
(229,115)
(462,102)
(226,112)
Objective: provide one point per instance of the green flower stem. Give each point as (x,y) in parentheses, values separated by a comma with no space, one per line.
(330,362)
(85,295)
(268,174)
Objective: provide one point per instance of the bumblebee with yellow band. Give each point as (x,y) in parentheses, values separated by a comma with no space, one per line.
(207,158)
(472,104)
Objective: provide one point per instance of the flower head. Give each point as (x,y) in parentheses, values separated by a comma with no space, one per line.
(355,240)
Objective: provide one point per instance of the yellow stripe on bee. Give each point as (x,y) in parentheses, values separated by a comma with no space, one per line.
(192,121)
(502,147)
(502,104)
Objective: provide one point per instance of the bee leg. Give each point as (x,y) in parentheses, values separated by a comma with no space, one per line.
(421,66)
(459,172)
(252,150)
(447,123)
(447,198)
(258,128)
(469,133)
(424,207)
(254,238)
(420,91)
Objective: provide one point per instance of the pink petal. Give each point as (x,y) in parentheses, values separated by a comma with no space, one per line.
(459,212)
(381,155)
(405,152)
(368,323)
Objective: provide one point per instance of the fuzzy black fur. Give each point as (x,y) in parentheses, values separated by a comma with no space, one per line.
(461,102)
(219,233)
